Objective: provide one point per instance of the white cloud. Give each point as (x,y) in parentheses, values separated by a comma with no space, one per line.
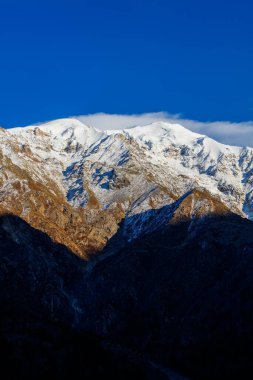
(105,121)
(224,131)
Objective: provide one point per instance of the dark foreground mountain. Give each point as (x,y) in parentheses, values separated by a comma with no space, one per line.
(41,288)
(178,300)
(182,296)
(159,214)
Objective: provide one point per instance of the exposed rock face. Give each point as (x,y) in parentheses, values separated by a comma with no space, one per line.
(32,191)
(194,205)
(77,184)
(197,205)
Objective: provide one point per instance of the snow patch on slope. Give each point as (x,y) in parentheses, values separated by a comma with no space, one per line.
(160,154)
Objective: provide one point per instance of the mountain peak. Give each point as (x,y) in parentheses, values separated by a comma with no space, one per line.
(56,127)
(161,130)
(63,135)
(142,165)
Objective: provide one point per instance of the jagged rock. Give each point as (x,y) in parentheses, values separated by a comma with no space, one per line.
(77,184)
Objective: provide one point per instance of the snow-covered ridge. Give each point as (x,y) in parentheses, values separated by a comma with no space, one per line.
(61,131)
(143,162)
(158,133)
(62,127)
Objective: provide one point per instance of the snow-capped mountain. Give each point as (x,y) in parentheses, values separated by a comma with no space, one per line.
(107,161)
(172,285)
(123,173)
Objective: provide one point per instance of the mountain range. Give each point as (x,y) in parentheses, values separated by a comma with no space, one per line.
(77,183)
(133,245)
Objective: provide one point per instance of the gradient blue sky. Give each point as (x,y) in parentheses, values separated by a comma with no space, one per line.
(63,58)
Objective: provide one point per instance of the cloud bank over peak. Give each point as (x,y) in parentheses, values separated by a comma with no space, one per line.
(225,132)
(104,121)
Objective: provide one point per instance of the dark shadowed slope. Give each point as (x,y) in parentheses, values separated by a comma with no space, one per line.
(181,297)
(41,303)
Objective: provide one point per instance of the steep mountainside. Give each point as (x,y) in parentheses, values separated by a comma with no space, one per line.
(77,183)
(41,286)
(175,301)
(180,297)
(167,295)
(31,189)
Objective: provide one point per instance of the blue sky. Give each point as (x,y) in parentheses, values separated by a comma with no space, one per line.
(63,58)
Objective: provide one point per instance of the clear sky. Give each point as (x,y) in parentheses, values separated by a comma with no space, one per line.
(70,57)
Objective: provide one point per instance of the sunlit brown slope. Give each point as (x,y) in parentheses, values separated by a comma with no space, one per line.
(29,191)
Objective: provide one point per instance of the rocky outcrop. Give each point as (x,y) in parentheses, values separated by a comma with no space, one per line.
(31,191)
(77,183)
(199,204)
